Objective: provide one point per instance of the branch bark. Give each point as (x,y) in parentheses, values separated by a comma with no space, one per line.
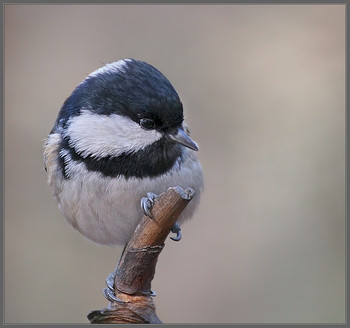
(136,267)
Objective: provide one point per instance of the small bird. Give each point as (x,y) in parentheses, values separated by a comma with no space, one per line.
(118,137)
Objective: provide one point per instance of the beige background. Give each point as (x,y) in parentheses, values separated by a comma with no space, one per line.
(264,94)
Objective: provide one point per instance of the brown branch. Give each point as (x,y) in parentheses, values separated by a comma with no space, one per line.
(136,268)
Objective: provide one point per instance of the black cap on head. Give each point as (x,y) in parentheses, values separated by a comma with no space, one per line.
(130,88)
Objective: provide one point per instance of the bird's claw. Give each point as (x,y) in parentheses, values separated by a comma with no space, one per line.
(147,204)
(109,293)
(176,229)
(110,281)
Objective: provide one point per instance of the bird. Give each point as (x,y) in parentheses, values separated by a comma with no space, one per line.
(120,136)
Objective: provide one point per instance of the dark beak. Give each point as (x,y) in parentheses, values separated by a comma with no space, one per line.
(182,138)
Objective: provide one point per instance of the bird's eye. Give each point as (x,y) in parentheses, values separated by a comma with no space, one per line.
(147,123)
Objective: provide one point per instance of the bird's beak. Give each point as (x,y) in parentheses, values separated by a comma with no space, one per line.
(182,138)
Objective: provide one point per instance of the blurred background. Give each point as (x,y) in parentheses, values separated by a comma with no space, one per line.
(263,88)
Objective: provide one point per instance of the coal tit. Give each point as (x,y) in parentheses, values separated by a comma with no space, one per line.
(120,135)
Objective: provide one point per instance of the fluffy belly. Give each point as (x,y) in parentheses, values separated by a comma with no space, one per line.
(107,210)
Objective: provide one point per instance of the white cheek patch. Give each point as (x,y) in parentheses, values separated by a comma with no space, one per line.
(101,135)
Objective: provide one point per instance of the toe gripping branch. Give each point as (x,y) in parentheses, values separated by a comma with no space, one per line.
(129,287)
(147,205)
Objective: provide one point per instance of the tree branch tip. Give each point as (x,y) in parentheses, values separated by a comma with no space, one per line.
(186,194)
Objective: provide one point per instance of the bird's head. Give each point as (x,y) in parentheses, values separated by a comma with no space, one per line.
(122,108)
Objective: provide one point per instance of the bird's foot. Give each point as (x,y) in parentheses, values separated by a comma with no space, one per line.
(109,292)
(176,229)
(147,204)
